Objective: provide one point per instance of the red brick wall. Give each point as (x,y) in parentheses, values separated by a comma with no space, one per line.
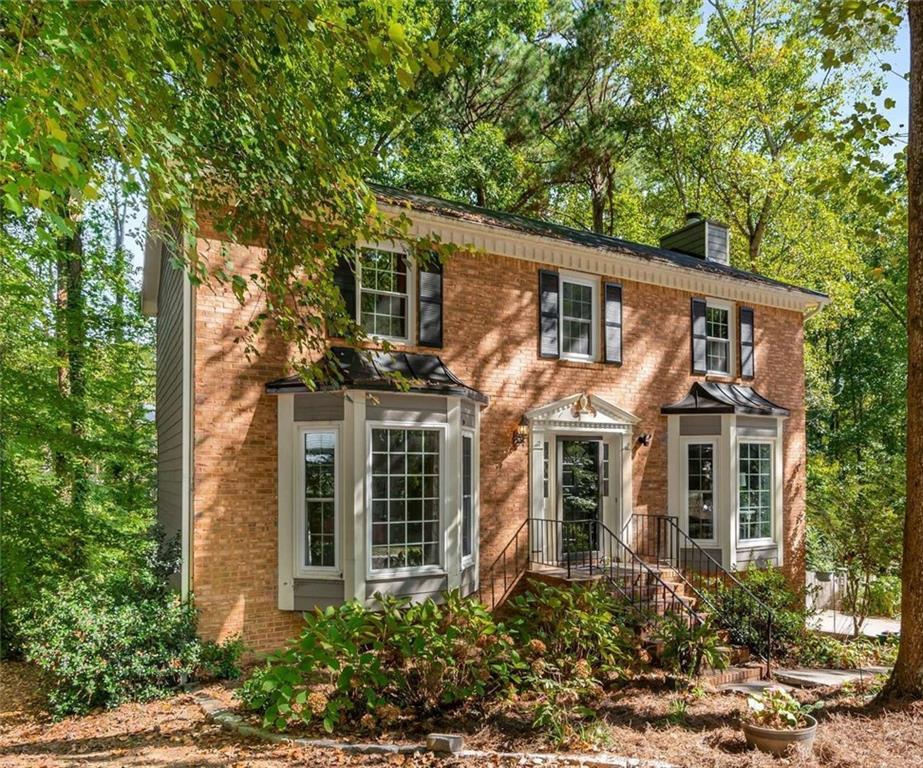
(490,342)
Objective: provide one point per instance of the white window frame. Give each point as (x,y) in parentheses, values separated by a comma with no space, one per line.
(685,442)
(593,284)
(411,321)
(773,470)
(468,560)
(302,570)
(422,570)
(731,339)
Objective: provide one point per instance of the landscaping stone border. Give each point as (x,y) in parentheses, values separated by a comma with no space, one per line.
(216,712)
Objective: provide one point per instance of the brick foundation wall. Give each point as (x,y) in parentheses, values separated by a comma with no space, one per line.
(490,342)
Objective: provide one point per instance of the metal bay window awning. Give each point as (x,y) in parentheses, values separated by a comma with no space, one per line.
(713,397)
(366,369)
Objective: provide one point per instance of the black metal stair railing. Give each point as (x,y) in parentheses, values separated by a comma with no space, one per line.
(660,539)
(583,549)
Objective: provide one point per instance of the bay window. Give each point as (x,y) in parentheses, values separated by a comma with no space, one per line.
(755,490)
(319,462)
(405,498)
(469,521)
(700,490)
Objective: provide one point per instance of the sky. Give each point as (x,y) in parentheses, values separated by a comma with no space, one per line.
(896,88)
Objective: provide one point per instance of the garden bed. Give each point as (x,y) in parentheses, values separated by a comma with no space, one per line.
(641,721)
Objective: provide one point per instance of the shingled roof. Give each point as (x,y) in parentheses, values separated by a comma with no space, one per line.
(477,215)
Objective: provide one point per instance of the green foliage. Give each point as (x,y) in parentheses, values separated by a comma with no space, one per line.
(857,515)
(884,596)
(575,639)
(819,650)
(352,661)
(105,641)
(737,613)
(777,708)
(573,632)
(690,649)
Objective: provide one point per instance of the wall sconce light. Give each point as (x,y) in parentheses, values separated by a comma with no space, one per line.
(521,434)
(645,439)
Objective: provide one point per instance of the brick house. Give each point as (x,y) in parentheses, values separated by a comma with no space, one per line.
(556,375)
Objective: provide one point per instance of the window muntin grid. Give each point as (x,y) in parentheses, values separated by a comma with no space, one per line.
(384,293)
(718,339)
(319,500)
(755,491)
(405,498)
(576,318)
(700,490)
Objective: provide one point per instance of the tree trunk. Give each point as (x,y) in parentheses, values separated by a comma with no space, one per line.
(76,346)
(907,677)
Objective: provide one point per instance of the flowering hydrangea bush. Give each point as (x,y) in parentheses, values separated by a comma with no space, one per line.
(374,665)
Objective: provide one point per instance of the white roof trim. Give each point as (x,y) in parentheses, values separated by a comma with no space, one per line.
(492,239)
(582,411)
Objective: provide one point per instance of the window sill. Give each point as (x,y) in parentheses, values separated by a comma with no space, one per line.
(467,562)
(329,574)
(400,573)
(756,543)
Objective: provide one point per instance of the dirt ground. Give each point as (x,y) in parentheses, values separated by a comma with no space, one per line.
(174,732)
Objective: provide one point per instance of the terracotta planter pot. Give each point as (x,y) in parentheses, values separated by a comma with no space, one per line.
(776,741)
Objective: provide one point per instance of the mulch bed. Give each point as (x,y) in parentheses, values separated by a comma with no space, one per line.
(637,719)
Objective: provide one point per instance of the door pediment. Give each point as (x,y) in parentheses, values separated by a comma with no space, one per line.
(582,411)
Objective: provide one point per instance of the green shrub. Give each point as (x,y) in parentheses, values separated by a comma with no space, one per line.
(690,649)
(102,649)
(571,627)
(819,650)
(737,612)
(884,596)
(351,661)
(123,638)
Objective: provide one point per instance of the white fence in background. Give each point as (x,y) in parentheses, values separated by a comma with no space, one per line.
(824,591)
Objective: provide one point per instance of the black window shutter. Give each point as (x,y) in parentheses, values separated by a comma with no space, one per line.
(430,315)
(612,296)
(344,278)
(699,345)
(548,313)
(747,357)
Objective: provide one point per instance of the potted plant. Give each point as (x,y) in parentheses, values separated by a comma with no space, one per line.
(776,721)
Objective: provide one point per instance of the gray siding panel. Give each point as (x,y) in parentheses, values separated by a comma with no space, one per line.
(319,406)
(416,587)
(468,413)
(417,408)
(317,593)
(700,425)
(697,561)
(756,426)
(469,581)
(169,398)
(761,556)
(717,244)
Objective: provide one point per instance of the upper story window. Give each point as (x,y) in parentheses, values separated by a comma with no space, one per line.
(384,294)
(718,338)
(571,312)
(578,318)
